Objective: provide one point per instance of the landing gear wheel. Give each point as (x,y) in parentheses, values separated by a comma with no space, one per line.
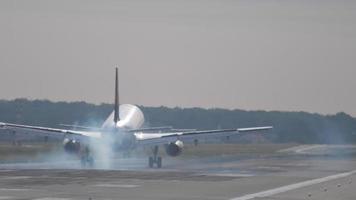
(83,162)
(159,162)
(86,159)
(152,160)
(90,161)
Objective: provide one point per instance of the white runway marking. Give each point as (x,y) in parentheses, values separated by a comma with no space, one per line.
(230,174)
(302,148)
(6,197)
(52,198)
(118,186)
(16,177)
(14,189)
(308,148)
(293,186)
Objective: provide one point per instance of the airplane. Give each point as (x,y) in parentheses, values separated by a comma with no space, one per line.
(122,131)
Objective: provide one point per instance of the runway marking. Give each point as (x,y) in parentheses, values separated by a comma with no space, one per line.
(269,168)
(116,185)
(15,177)
(303,150)
(14,189)
(230,175)
(6,197)
(52,198)
(293,186)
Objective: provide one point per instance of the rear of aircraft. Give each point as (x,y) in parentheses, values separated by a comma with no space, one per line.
(131,117)
(125,116)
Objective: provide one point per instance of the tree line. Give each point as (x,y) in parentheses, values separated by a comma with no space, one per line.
(299,127)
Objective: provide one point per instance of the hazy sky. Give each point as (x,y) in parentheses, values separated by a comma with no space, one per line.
(253,54)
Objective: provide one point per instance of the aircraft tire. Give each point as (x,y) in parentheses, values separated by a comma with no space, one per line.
(159,162)
(90,161)
(83,162)
(150,162)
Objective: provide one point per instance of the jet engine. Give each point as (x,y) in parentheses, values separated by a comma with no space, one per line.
(71,146)
(174,148)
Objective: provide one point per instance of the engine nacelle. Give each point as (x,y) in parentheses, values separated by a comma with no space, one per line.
(174,148)
(71,146)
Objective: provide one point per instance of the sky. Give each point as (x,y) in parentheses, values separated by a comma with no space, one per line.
(289,55)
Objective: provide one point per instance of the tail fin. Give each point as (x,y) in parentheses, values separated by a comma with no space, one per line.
(116,108)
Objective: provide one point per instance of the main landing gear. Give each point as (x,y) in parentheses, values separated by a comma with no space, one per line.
(86,159)
(152,160)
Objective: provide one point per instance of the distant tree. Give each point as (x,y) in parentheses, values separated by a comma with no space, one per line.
(298,127)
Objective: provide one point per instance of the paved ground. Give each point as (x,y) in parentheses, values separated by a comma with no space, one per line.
(292,175)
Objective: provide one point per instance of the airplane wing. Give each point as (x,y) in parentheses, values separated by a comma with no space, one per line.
(70,126)
(163,138)
(46,129)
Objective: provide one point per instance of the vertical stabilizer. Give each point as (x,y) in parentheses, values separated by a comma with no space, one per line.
(116,108)
(125,116)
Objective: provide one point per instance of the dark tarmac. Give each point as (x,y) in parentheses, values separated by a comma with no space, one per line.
(292,174)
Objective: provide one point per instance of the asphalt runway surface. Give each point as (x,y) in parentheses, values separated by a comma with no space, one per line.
(303,172)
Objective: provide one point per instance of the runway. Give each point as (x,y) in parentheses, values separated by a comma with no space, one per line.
(290,176)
